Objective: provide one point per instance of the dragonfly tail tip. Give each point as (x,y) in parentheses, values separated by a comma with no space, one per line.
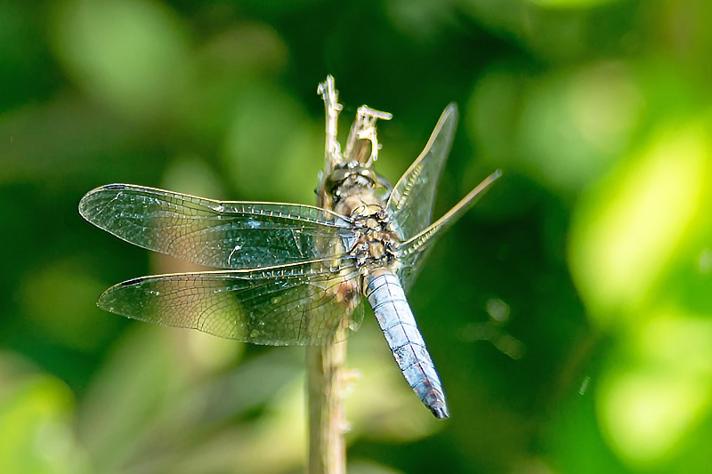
(440,411)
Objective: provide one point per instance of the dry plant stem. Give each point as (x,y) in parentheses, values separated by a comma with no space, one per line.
(325,364)
(327,451)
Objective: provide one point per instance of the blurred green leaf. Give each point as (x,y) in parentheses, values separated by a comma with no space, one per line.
(630,226)
(64,309)
(271,149)
(130,54)
(660,389)
(36,435)
(570,3)
(135,388)
(563,130)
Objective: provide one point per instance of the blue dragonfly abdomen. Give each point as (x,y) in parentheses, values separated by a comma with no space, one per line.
(387,298)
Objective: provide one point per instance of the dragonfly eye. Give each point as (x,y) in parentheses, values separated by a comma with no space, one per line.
(358,213)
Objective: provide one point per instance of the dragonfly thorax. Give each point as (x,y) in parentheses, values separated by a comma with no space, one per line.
(376,241)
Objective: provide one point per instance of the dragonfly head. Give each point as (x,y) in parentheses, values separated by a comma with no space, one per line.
(353,179)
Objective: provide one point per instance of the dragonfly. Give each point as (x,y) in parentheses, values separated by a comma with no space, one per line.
(292,274)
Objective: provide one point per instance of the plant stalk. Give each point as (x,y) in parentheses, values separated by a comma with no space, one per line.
(325,364)
(325,367)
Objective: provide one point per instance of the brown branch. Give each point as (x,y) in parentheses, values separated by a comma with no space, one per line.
(325,364)
(325,368)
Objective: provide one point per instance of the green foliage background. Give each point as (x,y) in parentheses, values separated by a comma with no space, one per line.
(569,314)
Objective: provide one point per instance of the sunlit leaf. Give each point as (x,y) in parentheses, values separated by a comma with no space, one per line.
(629,227)
(661,391)
(36,435)
(563,130)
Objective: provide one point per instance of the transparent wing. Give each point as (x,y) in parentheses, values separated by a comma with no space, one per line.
(236,235)
(411,201)
(411,264)
(291,305)
(412,253)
